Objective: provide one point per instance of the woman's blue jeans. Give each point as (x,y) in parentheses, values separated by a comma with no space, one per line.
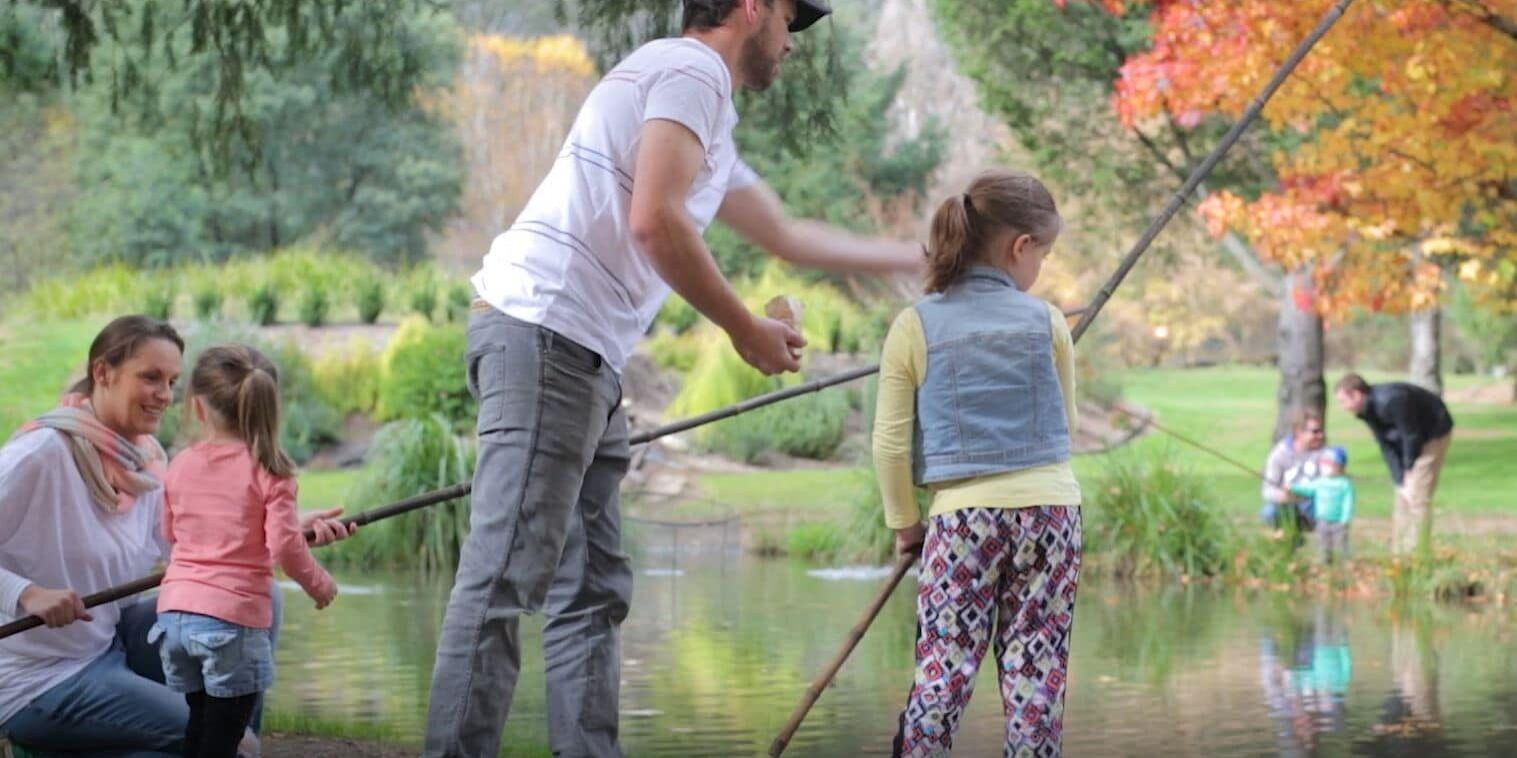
(117,706)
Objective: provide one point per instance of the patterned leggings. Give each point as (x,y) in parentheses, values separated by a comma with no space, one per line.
(1013,571)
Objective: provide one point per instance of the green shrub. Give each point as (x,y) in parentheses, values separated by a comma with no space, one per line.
(809,426)
(674,352)
(1275,555)
(678,315)
(314,305)
(866,536)
(1148,515)
(263,304)
(815,541)
(718,378)
(348,380)
(410,457)
(309,422)
(294,269)
(424,298)
(369,297)
(459,297)
(423,373)
(208,300)
(158,302)
(106,289)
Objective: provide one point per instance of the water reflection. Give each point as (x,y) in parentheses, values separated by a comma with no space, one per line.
(1305,675)
(1411,721)
(719,646)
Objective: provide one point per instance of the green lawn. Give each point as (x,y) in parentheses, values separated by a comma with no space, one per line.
(36,362)
(800,489)
(329,488)
(1232,409)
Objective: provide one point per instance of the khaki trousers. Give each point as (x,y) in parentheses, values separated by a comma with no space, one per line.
(1413,515)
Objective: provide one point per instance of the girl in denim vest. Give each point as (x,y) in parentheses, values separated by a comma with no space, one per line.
(230,516)
(976,403)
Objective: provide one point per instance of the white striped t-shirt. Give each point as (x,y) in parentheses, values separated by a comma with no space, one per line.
(569,262)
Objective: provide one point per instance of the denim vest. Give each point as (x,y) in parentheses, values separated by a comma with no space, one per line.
(992,401)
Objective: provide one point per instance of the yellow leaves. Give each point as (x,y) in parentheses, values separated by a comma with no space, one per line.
(1446,245)
(1427,287)
(1416,70)
(1381,231)
(556,53)
(1469,271)
(1505,237)
(1221,211)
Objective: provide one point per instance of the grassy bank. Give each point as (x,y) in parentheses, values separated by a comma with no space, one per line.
(1232,409)
(37,359)
(328,488)
(1146,501)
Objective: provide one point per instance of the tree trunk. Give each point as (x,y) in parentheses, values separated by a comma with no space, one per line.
(1426,365)
(1300,355)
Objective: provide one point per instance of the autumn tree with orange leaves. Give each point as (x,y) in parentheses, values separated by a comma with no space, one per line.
(1405,162)
(1049,70)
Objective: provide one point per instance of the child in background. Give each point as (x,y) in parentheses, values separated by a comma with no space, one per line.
(230,516)
(976,401)
(1332,494)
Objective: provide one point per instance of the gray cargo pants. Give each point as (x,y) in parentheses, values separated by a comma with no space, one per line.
(545,534)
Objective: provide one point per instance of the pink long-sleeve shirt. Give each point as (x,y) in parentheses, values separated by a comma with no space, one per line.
(230,522)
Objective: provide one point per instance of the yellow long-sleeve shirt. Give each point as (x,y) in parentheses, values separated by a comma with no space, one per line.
(903,368)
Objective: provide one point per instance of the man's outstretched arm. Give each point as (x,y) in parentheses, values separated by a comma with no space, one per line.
(756,213)
(668,159)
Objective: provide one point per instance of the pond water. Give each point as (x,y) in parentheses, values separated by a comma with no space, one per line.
(719,647)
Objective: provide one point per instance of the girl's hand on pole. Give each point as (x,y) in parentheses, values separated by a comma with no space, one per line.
(326,528)
(909,541)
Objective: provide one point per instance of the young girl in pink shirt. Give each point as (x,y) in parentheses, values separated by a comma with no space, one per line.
(230,516)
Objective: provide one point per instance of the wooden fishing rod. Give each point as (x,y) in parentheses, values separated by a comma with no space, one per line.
(1131,259)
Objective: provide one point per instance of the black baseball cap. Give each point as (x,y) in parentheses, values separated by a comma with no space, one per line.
(808,12)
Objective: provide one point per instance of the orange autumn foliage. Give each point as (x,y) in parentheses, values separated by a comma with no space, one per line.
(1401,128)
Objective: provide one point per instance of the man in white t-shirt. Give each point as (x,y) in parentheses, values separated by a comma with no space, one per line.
(564,296)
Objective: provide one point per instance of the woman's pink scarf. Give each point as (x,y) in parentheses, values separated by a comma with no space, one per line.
(115,468)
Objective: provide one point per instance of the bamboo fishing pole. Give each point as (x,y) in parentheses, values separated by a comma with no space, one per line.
(1131,259)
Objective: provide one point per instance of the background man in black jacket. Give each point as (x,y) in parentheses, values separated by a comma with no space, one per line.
(1413,427)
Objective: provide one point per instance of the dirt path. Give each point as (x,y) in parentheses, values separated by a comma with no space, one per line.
(278,745)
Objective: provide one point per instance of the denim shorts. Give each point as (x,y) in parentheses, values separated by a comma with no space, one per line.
(219,657)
